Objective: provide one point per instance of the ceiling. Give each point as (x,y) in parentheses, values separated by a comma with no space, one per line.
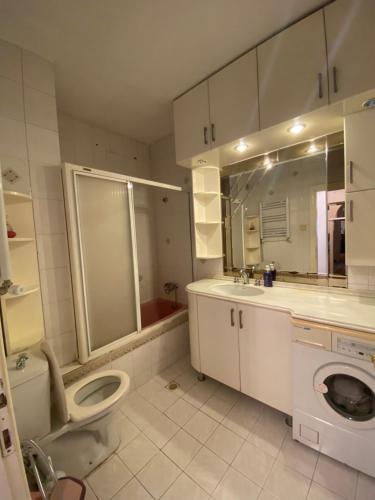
(119,63)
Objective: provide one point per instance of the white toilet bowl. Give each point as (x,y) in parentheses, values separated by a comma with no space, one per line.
(80,434)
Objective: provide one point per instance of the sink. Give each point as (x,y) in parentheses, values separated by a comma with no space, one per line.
(239,290)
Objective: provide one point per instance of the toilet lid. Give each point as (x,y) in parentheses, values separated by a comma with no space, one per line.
(58,393)
(79,412)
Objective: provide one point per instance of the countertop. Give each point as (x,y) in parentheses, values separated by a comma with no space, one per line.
(344,308)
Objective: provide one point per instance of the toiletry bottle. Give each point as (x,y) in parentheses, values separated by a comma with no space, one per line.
(273,271)
(267,276)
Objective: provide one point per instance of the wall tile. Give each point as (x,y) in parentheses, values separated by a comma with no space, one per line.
(55,284)
(40,109)
(10,61)
(38,73)
(52,251)
(49,216)
(64,347)
(12,138)
(11,99)
(44,145)
(46,181)
(59,317)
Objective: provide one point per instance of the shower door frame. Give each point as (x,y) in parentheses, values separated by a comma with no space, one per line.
(70,173)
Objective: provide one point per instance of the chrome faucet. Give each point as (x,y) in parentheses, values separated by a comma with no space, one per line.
(21,361)
(244,273)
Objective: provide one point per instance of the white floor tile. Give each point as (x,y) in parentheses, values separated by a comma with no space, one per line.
(206,469)
(266,495)
(254,463)
(336,477)
(90,495)
(201,392)
(132,491)
(217,408)
(158,475)
(137,453)
(182,448)
(163,398)
(286,483)
(109,478)
(228,394)
(298,456)
(225,443)
(235,486)
(161,430)
(317,492)
(187,379)
(201,426)
(148,389)
(128,431)
(185,489)
(243,416)
(139,411)
(181,412)
(365,487)
(269,431)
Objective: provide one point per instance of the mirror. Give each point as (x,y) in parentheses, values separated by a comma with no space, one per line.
(287,208)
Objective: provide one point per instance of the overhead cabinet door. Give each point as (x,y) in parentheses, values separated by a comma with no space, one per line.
(191,122)
(233,95)
(350,44)
(292,72)
(360,235)
(218,340)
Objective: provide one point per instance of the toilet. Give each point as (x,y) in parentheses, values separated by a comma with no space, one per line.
(73,425)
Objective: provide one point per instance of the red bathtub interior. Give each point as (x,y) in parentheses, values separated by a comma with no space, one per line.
(157,309)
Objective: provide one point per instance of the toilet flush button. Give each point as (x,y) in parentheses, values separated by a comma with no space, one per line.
(322,388)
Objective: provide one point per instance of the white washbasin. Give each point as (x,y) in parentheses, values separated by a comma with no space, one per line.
(238,290)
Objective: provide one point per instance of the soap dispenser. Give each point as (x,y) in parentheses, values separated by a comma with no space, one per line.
(267,276)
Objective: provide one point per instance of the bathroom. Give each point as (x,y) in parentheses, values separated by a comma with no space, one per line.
(186,254)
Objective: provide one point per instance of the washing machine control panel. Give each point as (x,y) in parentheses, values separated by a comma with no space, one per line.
(355,348)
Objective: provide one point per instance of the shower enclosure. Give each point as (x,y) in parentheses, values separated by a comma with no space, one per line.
(102,218)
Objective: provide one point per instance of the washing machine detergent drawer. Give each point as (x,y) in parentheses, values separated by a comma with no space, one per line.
(350,447)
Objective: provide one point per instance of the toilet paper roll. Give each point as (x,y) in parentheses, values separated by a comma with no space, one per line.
(16,289)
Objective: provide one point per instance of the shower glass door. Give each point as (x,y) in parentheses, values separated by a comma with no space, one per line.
(107,253)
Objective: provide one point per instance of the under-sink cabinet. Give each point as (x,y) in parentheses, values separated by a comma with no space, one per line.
(243,346)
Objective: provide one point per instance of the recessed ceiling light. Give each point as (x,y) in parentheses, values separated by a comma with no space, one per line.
(296,128)
(267,162)
(313,148)
(241,147)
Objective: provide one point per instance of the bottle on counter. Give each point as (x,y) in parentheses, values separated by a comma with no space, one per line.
(267,276)
(273,271)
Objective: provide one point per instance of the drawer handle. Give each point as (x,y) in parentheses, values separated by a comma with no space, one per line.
(320,85)
(240,318)
(335,86)
(205,135)
(232,317)
(351,211)
(351,172)
(213,137)
(311,343)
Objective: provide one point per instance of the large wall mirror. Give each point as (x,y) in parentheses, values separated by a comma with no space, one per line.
(287,208)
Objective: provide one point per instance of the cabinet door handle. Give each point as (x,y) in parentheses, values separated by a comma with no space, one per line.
(309,342)
(351,172)
(232,317)
(240,318)
(351,211)
(213,137)
(320,85)
(334,74)
(205,130)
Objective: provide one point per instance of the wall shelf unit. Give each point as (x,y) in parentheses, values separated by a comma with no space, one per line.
(252,241)
(22,313)
(207,213)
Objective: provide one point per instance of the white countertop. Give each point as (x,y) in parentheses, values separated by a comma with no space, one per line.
(322,305)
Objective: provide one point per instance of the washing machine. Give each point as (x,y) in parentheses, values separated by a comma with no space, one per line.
(334,394)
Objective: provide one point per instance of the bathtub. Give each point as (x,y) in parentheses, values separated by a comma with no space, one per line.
(155,310)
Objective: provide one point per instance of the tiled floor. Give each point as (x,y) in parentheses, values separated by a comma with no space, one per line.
(205,440)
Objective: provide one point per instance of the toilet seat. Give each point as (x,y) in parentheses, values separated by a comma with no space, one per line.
(76,394)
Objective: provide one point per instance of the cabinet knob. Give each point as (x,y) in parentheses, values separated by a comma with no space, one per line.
(213,137)
(232,317)
(351,172)
(205,135)
(240,318)
(334,74)
(320,85)
(351,211)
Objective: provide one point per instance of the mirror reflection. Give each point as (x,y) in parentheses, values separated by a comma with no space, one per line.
(286,209)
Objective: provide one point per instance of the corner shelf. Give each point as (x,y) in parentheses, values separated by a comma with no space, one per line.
(20,240)
(252,240)
(16,197)
(28,290)
(207,213)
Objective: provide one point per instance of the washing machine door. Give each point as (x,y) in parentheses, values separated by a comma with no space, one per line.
(347,393)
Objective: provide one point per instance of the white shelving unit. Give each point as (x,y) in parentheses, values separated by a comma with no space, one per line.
(22,313)
(252,240)
(207,213)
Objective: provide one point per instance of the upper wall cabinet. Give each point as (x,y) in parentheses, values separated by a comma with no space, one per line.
(292,72)
(218,110)
(233,93)
(191,122)
(350,44)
